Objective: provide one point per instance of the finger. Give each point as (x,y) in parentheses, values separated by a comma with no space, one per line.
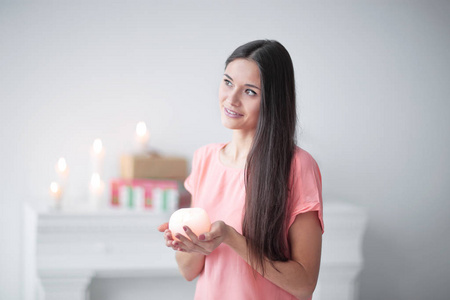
(217,230)
(175,245)
(168,235)
(190,234)
(189,246)
(209,236)
(183,240)
(163,227)
(179,245)
(169,243)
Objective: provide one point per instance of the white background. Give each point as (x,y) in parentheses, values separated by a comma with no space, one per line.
(373,92)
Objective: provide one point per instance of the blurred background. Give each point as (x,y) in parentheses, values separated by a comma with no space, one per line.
(373,93)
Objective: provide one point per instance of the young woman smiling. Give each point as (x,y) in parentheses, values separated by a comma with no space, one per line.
(262,192)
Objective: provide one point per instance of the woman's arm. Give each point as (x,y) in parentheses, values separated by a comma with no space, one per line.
(189,264)
(297,276)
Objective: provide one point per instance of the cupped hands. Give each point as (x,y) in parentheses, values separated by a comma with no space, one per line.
(204,243)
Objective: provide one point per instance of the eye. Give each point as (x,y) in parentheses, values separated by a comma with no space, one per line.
(227,82)
(250,92)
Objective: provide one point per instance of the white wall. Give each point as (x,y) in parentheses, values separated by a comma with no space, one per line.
(373,92)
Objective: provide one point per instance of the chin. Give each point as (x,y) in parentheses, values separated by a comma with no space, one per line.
(228,125)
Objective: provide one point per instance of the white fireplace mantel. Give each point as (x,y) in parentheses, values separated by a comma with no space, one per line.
(72,248)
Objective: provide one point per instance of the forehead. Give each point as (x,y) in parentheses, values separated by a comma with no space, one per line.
(243,70)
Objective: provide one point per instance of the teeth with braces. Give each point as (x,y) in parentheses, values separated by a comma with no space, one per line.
(231,112)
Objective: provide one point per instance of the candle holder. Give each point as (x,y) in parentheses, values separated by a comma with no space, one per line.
(195,218)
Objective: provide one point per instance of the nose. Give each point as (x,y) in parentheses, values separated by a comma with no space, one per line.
(233,98)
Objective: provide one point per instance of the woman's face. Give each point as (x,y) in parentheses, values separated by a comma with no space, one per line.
(240,95)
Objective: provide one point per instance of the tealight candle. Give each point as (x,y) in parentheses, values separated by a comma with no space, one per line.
(196,219)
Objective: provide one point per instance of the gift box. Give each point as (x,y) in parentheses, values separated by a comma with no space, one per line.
(145,194)
(153,167)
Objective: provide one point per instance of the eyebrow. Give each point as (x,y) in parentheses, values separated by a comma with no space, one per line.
(247,84)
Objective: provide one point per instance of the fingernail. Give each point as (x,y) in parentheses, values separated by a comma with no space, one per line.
(178,236)
(185,228)
(201,237)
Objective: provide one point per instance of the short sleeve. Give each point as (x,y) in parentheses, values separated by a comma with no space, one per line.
(189,183)
(306,188)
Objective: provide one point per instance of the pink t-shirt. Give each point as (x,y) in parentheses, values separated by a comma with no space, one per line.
(220,191)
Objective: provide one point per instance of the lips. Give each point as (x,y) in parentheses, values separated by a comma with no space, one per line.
(231,113)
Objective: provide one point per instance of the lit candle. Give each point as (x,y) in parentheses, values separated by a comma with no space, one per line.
(61,168)
(142,136)
(63,173)
(55,193)
(196,219)
(97,184)
(96,188)
(97,155)
(97,146)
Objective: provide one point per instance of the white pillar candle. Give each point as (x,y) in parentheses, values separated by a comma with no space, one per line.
(61,168)
(97,155)
(196,219)
(96,189)
(142,136)
(55,193)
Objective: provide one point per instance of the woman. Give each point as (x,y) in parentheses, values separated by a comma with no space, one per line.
(262,192)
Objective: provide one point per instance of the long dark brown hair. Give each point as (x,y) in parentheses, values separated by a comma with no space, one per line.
(268,164)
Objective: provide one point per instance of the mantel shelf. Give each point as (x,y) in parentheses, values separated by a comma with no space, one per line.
(73,247)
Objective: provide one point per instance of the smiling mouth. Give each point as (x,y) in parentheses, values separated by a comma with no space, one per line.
(231,113)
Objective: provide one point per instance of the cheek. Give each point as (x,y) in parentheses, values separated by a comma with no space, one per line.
(255,109)
(222,94)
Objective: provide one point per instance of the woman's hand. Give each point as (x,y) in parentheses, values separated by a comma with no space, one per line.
(167,236)
(190,264)
(202,244)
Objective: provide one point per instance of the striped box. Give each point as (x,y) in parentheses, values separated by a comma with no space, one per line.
(145,195)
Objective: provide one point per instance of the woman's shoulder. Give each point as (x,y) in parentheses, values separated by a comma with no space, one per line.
(210,147)
(208,150)
(303,157)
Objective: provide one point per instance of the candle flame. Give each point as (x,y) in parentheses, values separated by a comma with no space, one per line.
(62,165)
(98,146)
(141,129)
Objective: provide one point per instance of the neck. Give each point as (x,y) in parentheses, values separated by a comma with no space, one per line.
(240,145)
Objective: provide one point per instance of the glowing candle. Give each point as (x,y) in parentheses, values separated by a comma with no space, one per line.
(60,187)
(55,190)
(61,168)
(195,218)
(97,146)
(97,155)
(55,193)
(142,136)
(96,188)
